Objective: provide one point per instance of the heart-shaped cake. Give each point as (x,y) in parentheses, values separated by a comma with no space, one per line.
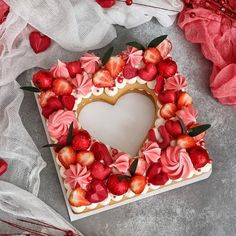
(95,176)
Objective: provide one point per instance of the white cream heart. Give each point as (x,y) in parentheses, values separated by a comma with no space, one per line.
(124,125)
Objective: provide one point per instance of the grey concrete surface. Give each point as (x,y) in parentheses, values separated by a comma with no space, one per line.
(206,208)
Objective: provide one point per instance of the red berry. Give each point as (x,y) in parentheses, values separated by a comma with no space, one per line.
(129,2)
(85,158)
(74,68)
(167,97)
(38,42)
(184,100)
(100,171)
(62,87)
(47,111)
(55,103)
(3,167)
(167,68)
(103,79)
(137,183)
(129,72)
(115,65)
(62,141)
(44,96)
(152,55)
(159,84)
(173,127)
(185,141)
(106,3)
(42,79)
(118,184)
(148,73)
(68,101)
(77,198)
(67,156)
(81,141)
(168,110)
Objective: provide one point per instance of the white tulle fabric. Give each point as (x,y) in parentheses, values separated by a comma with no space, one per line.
(74,25)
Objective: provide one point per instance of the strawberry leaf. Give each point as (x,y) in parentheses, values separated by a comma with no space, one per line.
(52,145)
(137,45)
(155,42)
(70,134)
(133,166)
(31,89)
(107,56)
(198,130)
(184,128)
(122,177)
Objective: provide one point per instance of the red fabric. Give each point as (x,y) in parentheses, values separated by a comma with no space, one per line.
(217,35)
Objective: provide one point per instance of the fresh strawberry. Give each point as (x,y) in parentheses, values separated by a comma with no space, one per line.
(62,141)
(152,55)
(141,167)
(68,101)
(106,3)
(167,97)
(77,198)
(3,167)
(173,127)
(148,73)
(101,153)
(81,141)
(100,171)
(185,141)
(42,80)
(184,100)
(47,111)
(159,84)
(199,157)
(200,136)
(103,79)
(44,96)
(62,87)
(168,110)
(55,103)
(97,191)
(155,175)
(85,158)
(129,72)
(115,65)
(118,184)
(67,156)
(137,183)
(167,68)
(74,68)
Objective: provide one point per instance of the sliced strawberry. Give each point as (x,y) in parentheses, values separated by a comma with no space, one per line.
(103,79)
(67,156)
(81,141)
(159,84)
(62,87)
(55,103)
(68,101)
(47,111)
(118,184)
(100,171)
(173,127)
(42,79)
(137,183)
(148,73)
(3,167)
(167,68)
(115,65)
(74,68)
(77,198)
(167,97)
(85,158)
(44,96)
(168,110)
(141,167)
(184,100)
(185,141)
(152,55)
(129,72)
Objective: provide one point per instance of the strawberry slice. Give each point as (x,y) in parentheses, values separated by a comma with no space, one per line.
(85,158)
(77,198)
(129,72)
(100,171)
(152,55)
(173,127)
(61,87)
(167,97)
(68,101)
(184,100)
(74,68)
(137,183)
(103,79)
(168,110)
(115,65)
(47,111)
(159,84)
(67,156)
(185,141)
(44,96)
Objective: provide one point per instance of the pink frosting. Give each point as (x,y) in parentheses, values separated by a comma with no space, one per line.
(188,115)
(77,176)
(133,56)
(59,70)
(176,83)
(83,83)
(164,48)
(90,62)
(59,123)
(122,162)
(176,163)
(151,152)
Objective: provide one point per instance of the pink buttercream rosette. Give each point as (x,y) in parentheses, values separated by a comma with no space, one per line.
(59,70)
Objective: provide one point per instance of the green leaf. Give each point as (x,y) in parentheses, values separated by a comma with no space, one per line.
(155,42)
(52,145)
(70,134)
(137,45)
(107,56)
(133,166)
(120,178)
(184,128)
(198,130)
(31,89)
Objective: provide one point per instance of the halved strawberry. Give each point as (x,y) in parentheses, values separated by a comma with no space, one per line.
(47,111)
(184,100)
(137,183)
(44,96)
(152,55)
(159,84)
(185,141)
(118,184)
(85,158)
(68,101)
(61,87)
(67,156)
(173,127)
(74,68)
(55,103)
(77,198)
(115,65)
(100,171)
(103,79)
(167,97)
(129,72)
(168,110)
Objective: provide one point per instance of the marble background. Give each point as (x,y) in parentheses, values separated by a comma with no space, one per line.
(206,208)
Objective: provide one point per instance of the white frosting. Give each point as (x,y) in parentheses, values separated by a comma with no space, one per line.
(78,209)
(121,85)
(141,81)
(92,205)
(131,81)
(106,201)
(117,198)
(151,84)
(145,189)
(97,91)
(129,194)
(111,92)
(87,95)
(154,187)
(204,169)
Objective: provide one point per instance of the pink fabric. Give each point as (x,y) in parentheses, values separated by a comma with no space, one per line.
(217,35)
